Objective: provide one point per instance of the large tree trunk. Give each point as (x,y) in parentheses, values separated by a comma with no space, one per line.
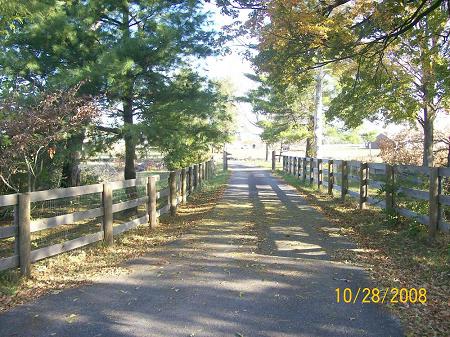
(448,153)
(267,152)
(428,82)
(71,175)
(428,137)
(318,114)
(130,145)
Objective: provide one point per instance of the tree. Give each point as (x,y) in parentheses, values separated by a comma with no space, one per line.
(386,48)
(30,132)
(407,83)
(188,117)
(126,49)
(287,112)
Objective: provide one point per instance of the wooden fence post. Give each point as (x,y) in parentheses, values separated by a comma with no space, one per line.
(16,223)
(195,176)
(363,182)
(189,180)
(284,163)
(183,185)
(311,171)
(273,161)
(204,171)
(304,170)
(390,182)
(151,203)
(434,211)
(330,177)
(24,234)
(107,214)
(200,176)
(319,174)
(225,160)
(173,192)
(344,179)
(294,166)
(299,167)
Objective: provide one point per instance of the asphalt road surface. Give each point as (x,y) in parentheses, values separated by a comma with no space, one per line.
(258,265)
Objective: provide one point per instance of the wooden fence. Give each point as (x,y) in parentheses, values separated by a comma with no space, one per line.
(180,184)
(392,187)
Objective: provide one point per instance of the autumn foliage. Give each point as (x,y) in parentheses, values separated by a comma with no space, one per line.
(29,132)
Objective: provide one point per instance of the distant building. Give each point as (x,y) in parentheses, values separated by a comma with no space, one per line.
(376,144)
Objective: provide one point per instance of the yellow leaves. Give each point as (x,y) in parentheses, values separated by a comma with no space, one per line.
(72,318)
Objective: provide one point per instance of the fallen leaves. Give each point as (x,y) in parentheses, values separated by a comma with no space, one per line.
(394,259)
(84,266)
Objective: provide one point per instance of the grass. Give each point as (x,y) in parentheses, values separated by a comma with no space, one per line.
(397,253)
(83,266)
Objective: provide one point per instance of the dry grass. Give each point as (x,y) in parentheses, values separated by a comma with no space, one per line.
(84,266)
(397,254)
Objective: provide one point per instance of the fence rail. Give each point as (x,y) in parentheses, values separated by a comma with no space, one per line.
(181,183)
(398,186)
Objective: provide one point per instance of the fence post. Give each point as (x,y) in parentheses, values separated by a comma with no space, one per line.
(304,169)
(151,203)
(344,179)
(195,177)
(173,192)
(311,171)
(363,181)
(294,168)
(225,160)
(390,181)
(319,174)
(16,223)
(200,177)
(183,185)
(284,163)
(291,165)
(24,234)
(107,214)
(204,171)
(189,179)
(299,167)
(434,211)
(273,161)
(330,177)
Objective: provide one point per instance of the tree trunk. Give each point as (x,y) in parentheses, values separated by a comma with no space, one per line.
(281,151)
(308,150)
(428,82)
(267,152)
(130,145)
(71,168)
(428,138)
(318,114)
(448,153)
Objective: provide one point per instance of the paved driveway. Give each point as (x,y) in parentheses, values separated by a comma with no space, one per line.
(256,266)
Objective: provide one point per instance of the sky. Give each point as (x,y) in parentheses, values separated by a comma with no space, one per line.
(233,67)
